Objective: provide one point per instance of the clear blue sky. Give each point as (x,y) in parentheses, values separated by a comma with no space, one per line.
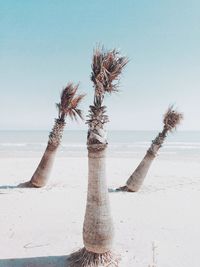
(44,44)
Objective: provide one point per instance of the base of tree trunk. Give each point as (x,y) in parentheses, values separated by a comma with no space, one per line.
(27,185)
(84,258)
(125,189)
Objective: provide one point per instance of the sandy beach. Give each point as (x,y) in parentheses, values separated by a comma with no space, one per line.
(48,221)
(106,93)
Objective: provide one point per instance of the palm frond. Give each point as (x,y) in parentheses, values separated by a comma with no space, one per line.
(59,109)
(172,118)
(69,102)
(79,112)
(106,68)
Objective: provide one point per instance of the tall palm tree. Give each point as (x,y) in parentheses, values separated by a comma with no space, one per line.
(68,106)
(171,119)
(98,226)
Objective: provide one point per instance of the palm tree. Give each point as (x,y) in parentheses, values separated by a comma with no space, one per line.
(68,106)
(98,226)
(171,119)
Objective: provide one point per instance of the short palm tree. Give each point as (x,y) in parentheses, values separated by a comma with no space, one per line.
(171,119)
(98,226)
(68,106)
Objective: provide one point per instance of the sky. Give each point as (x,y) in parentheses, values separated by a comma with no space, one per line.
(46,44)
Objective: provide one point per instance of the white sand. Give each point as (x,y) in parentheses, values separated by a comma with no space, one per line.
(48,221)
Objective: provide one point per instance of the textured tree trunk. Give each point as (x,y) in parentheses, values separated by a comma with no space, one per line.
(42,173)
(136,180)
(98,226)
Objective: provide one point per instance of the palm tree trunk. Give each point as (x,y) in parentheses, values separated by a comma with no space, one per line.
(136,180)
(68,106)
(98,226)
(42,173)
(98,230)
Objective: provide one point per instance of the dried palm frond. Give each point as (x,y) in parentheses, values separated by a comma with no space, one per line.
(172,118)
(69,103)
(106,68)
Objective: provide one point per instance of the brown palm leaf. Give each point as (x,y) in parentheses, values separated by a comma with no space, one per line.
(106,68)
(172,118)
(69,102)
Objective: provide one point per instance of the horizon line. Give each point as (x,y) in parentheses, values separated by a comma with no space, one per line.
(84,130)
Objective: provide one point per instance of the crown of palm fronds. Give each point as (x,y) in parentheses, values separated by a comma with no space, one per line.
(69,102)
(106,68)
(172,118)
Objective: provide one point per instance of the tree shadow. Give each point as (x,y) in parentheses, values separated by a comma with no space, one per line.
(113,190)
(26,185)
(122,189)
(50,261)
(8,186)
(21,185)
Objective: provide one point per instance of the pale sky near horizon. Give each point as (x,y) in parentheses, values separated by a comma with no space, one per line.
(45,44)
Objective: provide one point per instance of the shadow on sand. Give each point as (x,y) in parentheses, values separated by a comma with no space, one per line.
(113,190)
(48,261)
(120,189)
(8,186)
(22,185)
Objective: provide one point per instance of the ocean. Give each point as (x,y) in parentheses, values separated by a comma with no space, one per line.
(121,143)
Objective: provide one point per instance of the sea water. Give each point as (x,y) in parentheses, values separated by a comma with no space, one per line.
(121,143)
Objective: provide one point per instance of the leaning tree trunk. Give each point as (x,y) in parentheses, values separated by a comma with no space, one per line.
(136,180)
(42,173)
(98,226)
